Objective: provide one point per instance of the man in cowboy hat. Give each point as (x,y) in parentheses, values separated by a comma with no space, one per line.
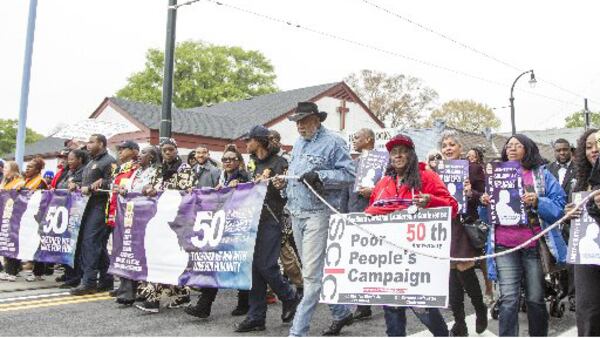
(322,160)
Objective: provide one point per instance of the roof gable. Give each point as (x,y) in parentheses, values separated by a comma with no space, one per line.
(230,120)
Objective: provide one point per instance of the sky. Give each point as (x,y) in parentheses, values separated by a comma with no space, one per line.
(84,50)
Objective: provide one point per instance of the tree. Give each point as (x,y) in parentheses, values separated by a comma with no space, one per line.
(577,120)
(465,115)
(398,100)
(8,136)
(203,74)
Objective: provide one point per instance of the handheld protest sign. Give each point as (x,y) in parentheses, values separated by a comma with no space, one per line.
(504,184)
(362,268)
(454,173)
(584,239)
(371,168)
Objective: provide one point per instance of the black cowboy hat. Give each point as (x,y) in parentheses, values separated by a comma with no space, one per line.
(305,109)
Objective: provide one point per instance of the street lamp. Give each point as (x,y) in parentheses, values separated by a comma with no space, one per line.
(532,83)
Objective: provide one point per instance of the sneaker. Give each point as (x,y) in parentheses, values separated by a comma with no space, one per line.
(179,301)
(3,275)
(33,278)
(10,278)
(147,306)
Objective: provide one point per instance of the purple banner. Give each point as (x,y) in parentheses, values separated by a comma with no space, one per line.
(203,239)
(60,220)
(505,187)
(40,225)
(454,173)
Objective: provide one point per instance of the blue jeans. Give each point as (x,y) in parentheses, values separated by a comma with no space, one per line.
(265,270)
(94,236)
(395,321)
(512,268)
(310,234)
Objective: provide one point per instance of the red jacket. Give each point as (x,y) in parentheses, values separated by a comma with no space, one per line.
(59,173)
(430,184)
(125,173)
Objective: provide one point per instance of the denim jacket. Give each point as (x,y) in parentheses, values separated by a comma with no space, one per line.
(328,155)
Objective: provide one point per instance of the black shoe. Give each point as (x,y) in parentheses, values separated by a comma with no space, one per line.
(201,309)
(68,285)
(362,312)
(288,309)
(572,304)
(481,323)
(337,325)
(147,306)
(242,304)
(126,302)
(459,329)
(249,325)
(82,290)
(179,301)
(240,311)
(107,287)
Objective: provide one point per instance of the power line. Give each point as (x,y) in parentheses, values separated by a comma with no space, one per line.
(465,46)
(187,3)
(367,46)
(442,35)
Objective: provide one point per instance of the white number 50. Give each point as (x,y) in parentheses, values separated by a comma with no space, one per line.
(212,226)
(52,220)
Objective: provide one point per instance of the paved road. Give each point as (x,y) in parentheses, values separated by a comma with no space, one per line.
(41,309)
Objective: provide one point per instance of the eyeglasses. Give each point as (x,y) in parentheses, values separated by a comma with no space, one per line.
(435,157)
(514,145)
(229,159)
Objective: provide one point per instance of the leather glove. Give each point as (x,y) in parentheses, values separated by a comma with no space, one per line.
(312,179)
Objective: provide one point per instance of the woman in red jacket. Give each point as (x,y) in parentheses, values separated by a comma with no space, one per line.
(407,183)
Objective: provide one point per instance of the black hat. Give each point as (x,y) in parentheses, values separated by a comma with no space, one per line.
(129,145)
(257,132)
(305,109)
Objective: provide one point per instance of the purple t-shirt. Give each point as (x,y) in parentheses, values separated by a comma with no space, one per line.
(512,236)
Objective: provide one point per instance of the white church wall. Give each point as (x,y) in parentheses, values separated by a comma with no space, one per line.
(356,119)
(110,114)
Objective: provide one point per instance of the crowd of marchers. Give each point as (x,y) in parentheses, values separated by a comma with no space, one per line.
(290,246)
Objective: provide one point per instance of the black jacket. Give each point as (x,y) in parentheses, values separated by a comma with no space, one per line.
(570,176)
(101,166)
(274,202)
(68,176)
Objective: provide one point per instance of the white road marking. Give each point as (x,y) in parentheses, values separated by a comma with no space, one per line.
(45,295)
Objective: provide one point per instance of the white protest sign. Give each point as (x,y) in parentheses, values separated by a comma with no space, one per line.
(584,239)
(361,267)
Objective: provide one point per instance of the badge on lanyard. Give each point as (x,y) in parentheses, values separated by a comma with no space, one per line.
(413,208)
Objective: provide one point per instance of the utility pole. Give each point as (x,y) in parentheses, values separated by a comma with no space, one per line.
(21,131)
(586,114)
(167,97)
